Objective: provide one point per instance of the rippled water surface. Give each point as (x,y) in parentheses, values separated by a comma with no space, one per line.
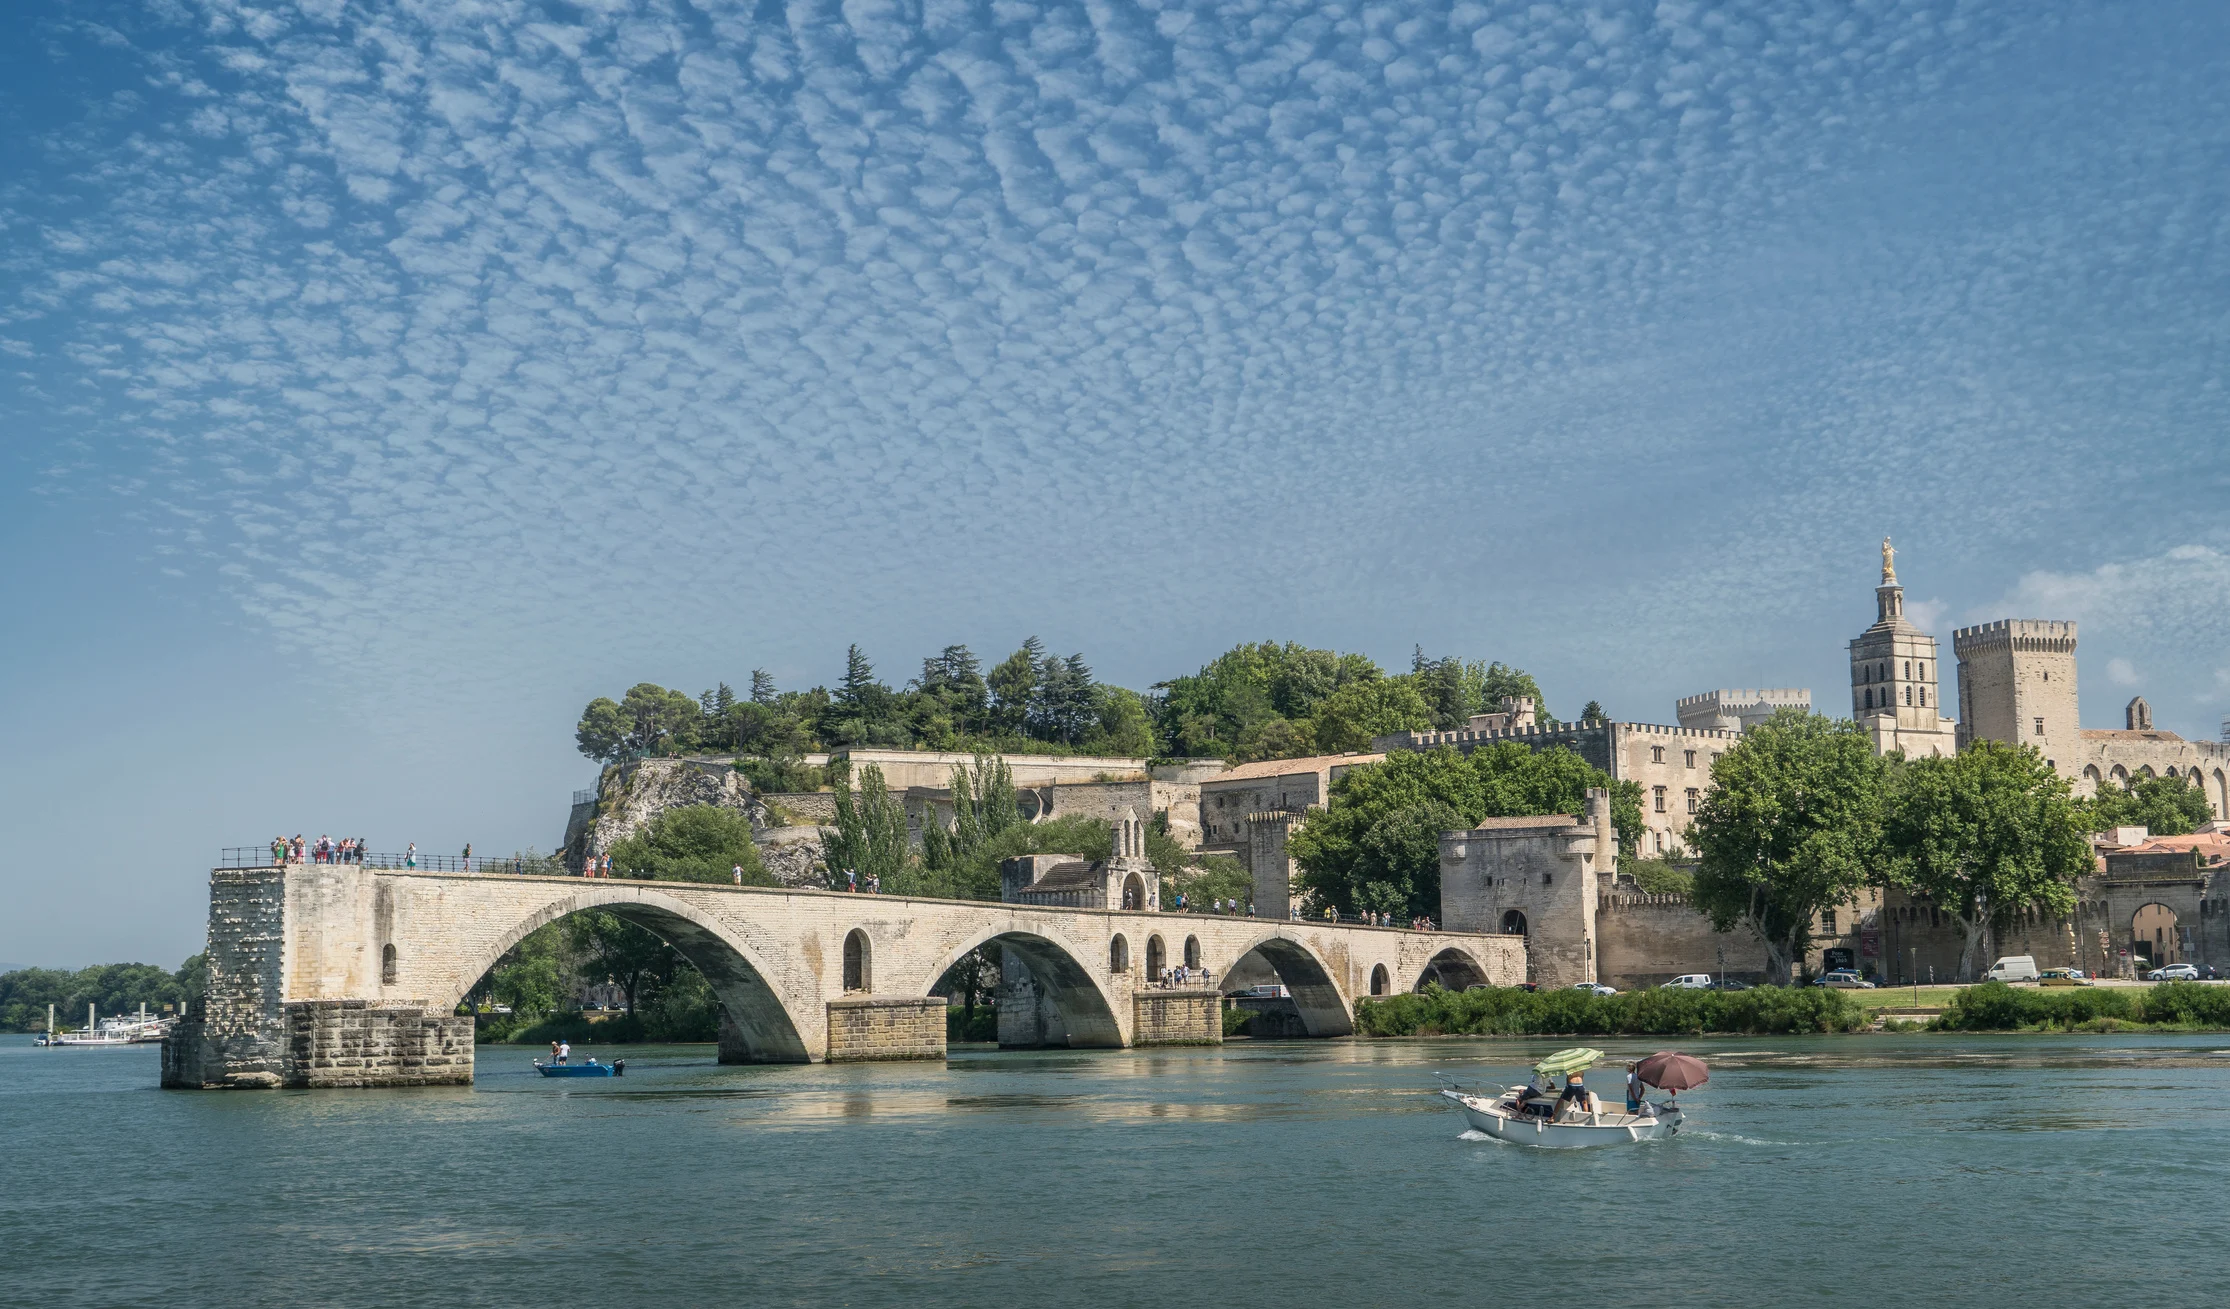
(1887,1170)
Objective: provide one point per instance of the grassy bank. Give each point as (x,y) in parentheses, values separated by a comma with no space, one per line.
(2169,1006)
(1510,1011)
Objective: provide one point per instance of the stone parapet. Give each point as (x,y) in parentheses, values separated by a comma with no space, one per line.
(877,1027)
(1177,1018)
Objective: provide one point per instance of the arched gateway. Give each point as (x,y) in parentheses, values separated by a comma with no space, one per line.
(347,975)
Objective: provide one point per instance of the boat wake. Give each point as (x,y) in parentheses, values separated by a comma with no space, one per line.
(1473,1134)
(1725,1136)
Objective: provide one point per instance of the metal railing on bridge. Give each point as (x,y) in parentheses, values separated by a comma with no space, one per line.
(262,856)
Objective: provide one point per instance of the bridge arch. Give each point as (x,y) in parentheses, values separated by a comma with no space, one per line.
(1323,1004)
(756,1020)
(1454,968)
(1059,987)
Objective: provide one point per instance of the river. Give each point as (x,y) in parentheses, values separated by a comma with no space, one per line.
(1874,1170)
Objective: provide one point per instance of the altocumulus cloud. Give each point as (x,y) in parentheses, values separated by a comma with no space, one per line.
(448,322)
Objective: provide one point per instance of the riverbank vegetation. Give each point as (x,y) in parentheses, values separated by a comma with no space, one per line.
(1514,1011)
(112,988)
(542,980)
(2168,1006)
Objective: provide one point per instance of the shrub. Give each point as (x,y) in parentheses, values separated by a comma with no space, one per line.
(1996,1007)
(1513,1011)
(2188,1004)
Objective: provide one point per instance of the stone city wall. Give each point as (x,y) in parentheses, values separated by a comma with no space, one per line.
(1647,940)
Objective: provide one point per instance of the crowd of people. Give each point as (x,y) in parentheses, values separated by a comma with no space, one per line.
(324,850)
(1182,975)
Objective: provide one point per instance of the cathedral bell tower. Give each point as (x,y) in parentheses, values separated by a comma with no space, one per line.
(1894,676)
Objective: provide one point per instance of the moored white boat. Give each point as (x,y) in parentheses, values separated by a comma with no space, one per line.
(121,1030)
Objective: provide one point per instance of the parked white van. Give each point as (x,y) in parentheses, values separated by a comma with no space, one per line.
(2014,968)
(1690,982)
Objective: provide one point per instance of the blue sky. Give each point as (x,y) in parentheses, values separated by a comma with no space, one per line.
(380,382)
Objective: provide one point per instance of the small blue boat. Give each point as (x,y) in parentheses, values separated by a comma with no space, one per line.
(616,1068)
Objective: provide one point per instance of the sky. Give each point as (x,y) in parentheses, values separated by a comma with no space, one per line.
(379,383)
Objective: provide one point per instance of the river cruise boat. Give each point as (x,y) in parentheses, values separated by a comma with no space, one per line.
(1536,1113)
(121,1029)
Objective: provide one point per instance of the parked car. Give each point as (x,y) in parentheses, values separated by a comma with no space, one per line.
(1730,984)
(1690,982)
(2175,973)
(2061,977)
(1843,979)
(1596,988)
(2014,968)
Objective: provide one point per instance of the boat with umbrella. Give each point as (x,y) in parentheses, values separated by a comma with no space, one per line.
(1538,1114)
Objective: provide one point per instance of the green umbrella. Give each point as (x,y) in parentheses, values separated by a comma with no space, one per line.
(1565,1062)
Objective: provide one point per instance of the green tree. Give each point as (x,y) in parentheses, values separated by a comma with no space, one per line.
(1123,725)
(1349,717)
(535,976)
(607,947)
(692,843)
(1593,713)
(1376,845)
(657,721)
(1013,685)
(762,687)
(2163,806)
(1984,834)
(1790,827)
(602,731)
(870,837)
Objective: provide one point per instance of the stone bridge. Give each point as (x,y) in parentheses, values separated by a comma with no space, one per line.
(338,975)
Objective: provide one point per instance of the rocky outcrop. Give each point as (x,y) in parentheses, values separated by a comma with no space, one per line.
(793,855)
(635,793)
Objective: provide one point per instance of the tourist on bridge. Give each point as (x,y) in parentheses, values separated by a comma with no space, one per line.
(410,856)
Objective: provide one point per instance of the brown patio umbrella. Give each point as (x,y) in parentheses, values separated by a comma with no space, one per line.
(1670,1070)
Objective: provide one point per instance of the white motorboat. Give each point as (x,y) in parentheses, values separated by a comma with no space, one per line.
(1566,1128)
(1535,1114)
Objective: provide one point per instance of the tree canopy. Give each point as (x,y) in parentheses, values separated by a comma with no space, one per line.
(692,843)
(1789,827)
(1984,834)
(1375,847)
(2164,806)
(1273,701)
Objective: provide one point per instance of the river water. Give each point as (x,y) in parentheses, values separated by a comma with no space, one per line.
(1877,1170)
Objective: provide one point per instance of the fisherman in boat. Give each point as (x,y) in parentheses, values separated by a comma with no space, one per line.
(565,1051)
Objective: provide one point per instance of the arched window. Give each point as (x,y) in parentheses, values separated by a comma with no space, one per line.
(1192,952)
(1157,958)
(1869,697)
(387,964)
(859,962)
(1924,695)
(1513,923)
(1379,982)
(1908,695)
(1118,955)
(1134,892)
(1908,669)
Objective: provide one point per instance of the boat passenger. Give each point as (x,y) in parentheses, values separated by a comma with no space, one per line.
(1633,1088)
(565,1051)
(1575,1094)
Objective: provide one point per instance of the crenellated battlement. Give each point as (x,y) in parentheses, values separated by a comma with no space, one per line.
(1459,736)
(2037,634)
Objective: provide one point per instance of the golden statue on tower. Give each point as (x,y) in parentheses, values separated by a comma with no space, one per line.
(1889,563)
